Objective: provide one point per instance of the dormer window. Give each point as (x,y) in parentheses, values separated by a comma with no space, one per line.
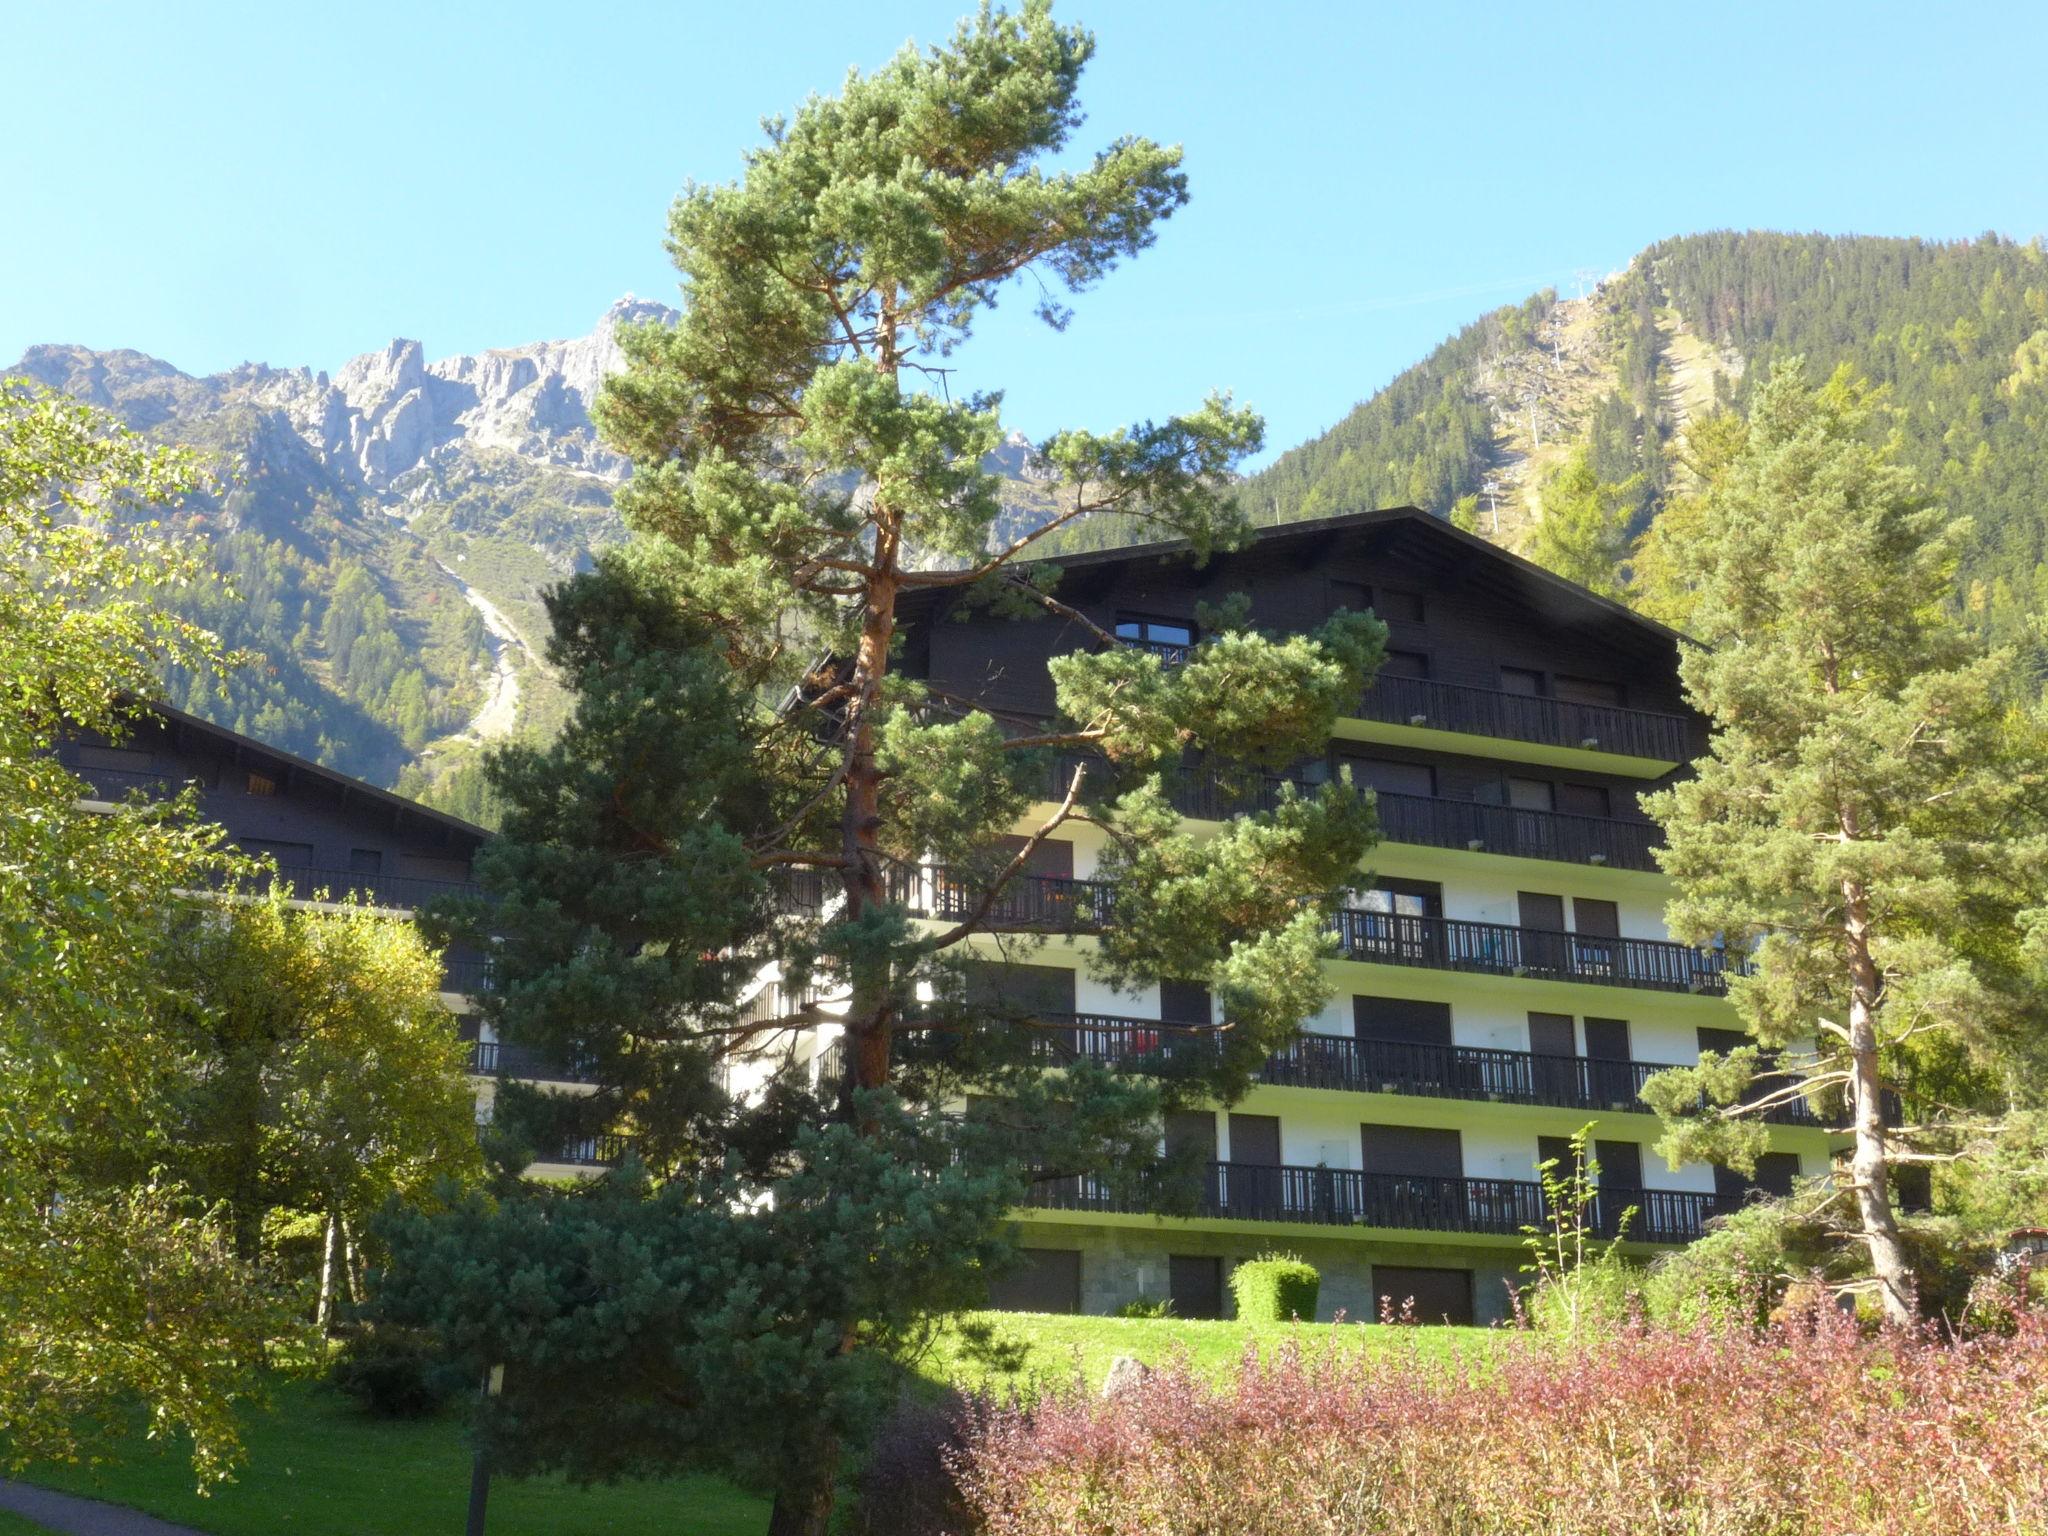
(1169,639)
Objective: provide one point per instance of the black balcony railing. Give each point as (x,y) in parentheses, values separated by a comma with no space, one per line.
(1059,904)
(1346,1064)
(1426,820)
(496,1058)
(1439,823)
(1349,1197)
(465,978)
(1453,944)
(592,1151)
(1519,717)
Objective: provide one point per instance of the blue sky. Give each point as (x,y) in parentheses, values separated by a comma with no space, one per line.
(295,184)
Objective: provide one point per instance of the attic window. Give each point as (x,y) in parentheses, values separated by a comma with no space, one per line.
(1168,638)
(261,784)
(1399,607)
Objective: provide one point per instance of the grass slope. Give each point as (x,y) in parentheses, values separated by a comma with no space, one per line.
(319,1468)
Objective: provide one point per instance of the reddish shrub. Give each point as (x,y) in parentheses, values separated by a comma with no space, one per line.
(1813,1428)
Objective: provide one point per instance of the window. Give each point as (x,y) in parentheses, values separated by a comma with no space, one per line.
(1043,1280)
(1436,1295)
(1184,1002)
(1351,596)
(1587,690)
(1391,778)
(123,759)
(1583,800)
(1194,1282)
(1397,606)
(1405,664)
(1531,795)
(1169,638)
(1401,1019)
(261,783)
(365,861)
(1404,898)
(288,855)
(1523,681)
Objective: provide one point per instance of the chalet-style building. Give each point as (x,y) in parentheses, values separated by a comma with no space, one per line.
(331,836)
(1506,980)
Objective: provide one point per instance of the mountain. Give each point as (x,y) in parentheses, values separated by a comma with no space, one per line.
(388,530)
(1956,332)
(385,534)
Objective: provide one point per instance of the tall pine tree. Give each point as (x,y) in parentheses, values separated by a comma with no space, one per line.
(1870,821)
(795,482)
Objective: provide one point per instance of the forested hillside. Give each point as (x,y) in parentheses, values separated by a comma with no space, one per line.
(1956,333)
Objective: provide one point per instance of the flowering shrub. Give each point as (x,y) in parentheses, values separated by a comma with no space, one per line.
(1812,1427)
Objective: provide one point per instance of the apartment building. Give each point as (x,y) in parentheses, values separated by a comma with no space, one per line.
(1505,980)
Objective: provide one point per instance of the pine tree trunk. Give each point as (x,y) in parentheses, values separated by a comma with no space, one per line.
(323,1318)
(804,1508)
(1869,1165)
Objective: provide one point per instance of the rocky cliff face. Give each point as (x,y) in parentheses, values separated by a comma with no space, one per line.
(385,413)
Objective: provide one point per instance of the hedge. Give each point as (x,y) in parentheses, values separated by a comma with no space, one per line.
(1276,1288)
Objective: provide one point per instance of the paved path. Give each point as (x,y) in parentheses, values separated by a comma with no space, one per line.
(73,1516)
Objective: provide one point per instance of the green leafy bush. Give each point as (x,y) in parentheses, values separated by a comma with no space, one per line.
(395,1373)
(1276,1288)
(1146,1307)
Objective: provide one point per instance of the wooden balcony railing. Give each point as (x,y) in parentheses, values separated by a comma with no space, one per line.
(1349,1197)
(1058,904)
(1431,821)
(1453,944)
(1345,1064)
(496,1058)
(1520,717)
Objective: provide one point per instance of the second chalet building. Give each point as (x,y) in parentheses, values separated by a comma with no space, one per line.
(1505,980)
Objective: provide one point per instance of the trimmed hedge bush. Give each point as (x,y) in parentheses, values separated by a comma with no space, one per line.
(1276,1288)
(395,1373)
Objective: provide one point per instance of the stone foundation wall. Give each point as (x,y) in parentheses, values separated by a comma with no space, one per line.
(1123,1264)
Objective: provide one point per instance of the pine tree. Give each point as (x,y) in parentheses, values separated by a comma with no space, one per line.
(1870,823)
(794,483)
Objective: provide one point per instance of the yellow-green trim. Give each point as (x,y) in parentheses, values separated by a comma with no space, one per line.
(1467,744)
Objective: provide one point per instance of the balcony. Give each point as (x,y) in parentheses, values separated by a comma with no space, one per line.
(1060,904)
(1345,1064)
(496,1058)
(1453,944)
(1349,1197)
(1429,821)
(1435,706)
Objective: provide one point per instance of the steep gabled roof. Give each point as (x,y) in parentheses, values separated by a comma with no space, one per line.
(248,749)
(1427,541)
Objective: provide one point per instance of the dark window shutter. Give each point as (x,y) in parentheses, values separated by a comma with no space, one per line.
(1185,1002)
(1607,1039)
(1192,1131)
(1540,910)
(1255,1139)
(1551,1034)
(1408,1149)
(1400,1018)
(1439,1295)
(1195,1285)
(1596,919)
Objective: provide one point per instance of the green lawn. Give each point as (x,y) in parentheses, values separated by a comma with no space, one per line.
(1049,1350)
(319,1468)
(14,1525)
